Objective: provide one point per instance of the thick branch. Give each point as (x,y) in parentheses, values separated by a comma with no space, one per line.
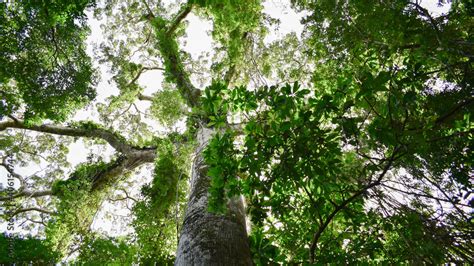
(103,177)
(115,140)
(131,157)
(121,166)
(177,20)
(169,50)
(30,209)
(29,194)
(229,75)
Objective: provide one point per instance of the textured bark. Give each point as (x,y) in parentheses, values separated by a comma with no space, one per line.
(207,238)
(121,166)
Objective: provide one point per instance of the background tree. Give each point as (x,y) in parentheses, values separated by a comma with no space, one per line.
(351,143)
(43,59)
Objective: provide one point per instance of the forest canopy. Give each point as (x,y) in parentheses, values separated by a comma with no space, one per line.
(348,142)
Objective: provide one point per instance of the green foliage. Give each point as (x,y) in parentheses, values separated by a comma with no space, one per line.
(88,125)
(25,251)
(155,215)
(294,144)
(219,101)
(82,178)
(45,70)
(91,126)
(214,105)
(413,238)
(169,49)
(174,68)
(79,198)
(106,251)
(291,50)
(368,162)
(263,251)
(6,141)
(168,106)
(222,169)
(233,21)
(162,190)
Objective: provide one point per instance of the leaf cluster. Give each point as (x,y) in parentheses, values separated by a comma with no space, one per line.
(168,106)
(106,250)
(219,156)
(26,250)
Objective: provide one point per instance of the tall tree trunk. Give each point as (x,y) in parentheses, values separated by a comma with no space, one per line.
(207,238)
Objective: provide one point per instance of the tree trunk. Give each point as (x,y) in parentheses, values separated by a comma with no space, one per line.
(207,238)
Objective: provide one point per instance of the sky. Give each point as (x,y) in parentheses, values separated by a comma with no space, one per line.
(197,42)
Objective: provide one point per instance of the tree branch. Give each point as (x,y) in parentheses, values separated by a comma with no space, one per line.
(15,213)
(343,204)
(114,139)
(131,157)
(177,20)
(229,75)
(36,222)
(422,11)
(143,97)
(170,53)
(12,172)
(150,12)
(29,194)
(453,111)
(141,71)
(127,196)
(424,195)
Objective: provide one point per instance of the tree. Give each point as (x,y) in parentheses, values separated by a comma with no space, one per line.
(43,50)
(359,150)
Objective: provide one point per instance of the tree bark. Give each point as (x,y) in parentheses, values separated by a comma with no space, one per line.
(208,238)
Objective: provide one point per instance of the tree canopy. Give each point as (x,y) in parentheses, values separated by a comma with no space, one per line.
(350,142)
(43,59)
